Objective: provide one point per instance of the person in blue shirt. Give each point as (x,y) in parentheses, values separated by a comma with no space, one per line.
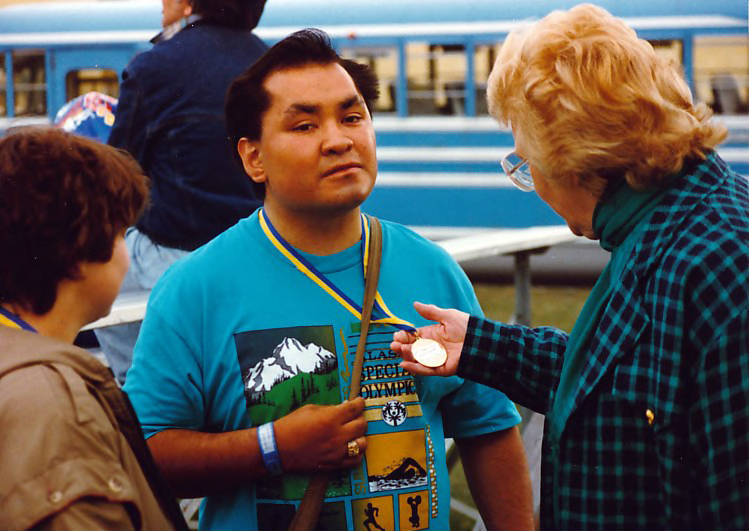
(246,351)
(170,118)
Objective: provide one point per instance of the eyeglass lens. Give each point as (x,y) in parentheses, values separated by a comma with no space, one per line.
(518,170)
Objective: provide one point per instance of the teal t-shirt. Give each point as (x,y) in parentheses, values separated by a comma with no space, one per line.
(236,336)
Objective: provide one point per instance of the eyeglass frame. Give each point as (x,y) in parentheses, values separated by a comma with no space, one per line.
(519,173)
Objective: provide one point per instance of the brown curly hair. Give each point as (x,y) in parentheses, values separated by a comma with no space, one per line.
(63,201)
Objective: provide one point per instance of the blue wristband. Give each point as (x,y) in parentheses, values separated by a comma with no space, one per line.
(267,439)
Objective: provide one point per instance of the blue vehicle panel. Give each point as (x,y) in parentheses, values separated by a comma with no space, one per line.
(444,164)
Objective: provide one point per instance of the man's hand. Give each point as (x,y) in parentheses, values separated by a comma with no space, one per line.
(316,437)
(198,464)
(450,332)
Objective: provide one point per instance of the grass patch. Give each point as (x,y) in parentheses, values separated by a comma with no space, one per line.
(556,306)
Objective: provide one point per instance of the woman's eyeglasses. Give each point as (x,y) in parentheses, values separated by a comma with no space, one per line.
(519,171)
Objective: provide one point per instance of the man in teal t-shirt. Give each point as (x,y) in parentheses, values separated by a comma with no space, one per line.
(244,360)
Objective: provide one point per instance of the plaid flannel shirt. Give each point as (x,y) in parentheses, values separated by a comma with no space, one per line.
(659,434)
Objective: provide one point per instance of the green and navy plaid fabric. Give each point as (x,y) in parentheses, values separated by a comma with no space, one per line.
(659,437)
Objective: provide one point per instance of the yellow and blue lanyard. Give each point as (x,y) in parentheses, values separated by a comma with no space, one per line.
(11,320)
(325,283)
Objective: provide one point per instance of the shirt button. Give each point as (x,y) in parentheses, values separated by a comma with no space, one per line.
(650,416)
(55,497)
(115,485)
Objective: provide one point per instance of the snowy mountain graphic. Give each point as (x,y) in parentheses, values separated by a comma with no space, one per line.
(289,358)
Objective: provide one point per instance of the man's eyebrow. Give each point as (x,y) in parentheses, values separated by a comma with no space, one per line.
(351,101)
(312,108)
(302,108)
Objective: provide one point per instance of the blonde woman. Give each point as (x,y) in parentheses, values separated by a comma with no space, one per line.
(647,399)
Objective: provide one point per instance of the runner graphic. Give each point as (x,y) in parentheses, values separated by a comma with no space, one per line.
(373,514)
(370,512)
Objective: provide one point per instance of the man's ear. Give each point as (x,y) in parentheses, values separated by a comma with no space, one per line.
(252,160)
(187,10)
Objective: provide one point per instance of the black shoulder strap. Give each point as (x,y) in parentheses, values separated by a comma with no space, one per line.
(131,430)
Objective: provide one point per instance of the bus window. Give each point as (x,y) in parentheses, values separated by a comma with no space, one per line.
(79,82)
(384,62)
(670,49)
(483,61)
(3,84)
(436,78)
(29,83)
(721,72)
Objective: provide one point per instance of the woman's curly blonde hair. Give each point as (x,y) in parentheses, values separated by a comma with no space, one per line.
(593,100)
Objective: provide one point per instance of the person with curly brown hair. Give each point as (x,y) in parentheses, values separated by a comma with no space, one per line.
(72,454)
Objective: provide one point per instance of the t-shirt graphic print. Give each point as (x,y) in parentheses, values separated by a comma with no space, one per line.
(236,336)
(284,368)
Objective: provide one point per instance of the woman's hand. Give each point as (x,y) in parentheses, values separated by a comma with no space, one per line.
(449,332)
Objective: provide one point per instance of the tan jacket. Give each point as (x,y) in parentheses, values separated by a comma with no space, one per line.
(72,454)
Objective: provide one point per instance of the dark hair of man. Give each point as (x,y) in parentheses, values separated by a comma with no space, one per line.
(242,14)
(247,99)
(63,201)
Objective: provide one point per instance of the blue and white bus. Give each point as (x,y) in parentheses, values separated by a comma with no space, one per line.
(438,149)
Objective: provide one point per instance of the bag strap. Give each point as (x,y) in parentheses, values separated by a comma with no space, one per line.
(306,516)
(370,290)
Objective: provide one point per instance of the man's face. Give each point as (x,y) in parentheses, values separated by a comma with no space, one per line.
(316,153)
(173,10)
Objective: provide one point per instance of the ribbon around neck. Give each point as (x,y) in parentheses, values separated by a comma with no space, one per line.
(319,278)
(11,320)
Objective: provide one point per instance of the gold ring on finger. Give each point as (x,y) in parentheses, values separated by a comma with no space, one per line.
(352,449)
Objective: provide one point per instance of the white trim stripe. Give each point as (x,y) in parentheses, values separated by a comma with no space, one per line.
(498,26)
(443,180)
(731,155)
(370,30)
(432,124)
(77,37)
(443,154)
(491,154)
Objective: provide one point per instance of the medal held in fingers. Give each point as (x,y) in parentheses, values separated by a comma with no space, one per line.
(429,352)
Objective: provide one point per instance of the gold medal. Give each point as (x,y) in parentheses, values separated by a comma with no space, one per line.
(429,352)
